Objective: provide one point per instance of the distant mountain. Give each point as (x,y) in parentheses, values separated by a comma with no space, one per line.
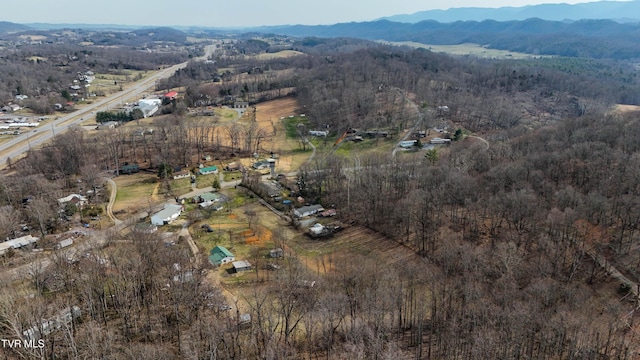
(6,27)
(621,11)
(162,34)
(584,38)
(49,26)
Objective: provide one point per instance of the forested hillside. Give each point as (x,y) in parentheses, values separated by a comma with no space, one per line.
(517,237)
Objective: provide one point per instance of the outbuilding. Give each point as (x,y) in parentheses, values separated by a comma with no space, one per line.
(240,266)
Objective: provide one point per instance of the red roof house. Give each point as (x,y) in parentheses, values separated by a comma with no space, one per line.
(171,95)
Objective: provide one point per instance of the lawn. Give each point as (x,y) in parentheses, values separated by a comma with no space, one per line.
(136,192)
(349,148)
(291,125)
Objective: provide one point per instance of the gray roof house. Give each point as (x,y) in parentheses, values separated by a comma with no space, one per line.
(166,215)
(307,210)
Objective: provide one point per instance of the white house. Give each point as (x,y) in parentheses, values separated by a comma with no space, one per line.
(75,199)
(440,141)
(407,143)
(17,243)
(166,215)
(149,106)
(318,133)
(182,174)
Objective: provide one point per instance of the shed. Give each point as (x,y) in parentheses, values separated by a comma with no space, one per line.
(240,266)
(276,253)
(220,255)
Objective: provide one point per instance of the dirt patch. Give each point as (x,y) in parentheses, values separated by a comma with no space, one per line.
(232,216)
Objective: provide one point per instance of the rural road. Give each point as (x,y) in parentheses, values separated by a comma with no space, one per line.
(486,143)
(413,128)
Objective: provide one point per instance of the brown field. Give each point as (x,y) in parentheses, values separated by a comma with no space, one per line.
(32,37)
(268,116)
(279,54)
(620,108)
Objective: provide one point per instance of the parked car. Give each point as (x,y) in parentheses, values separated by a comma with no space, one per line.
(286,202)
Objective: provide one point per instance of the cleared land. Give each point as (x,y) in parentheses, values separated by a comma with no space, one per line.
(279,54)
(468,49)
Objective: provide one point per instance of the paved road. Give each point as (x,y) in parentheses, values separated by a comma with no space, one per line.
(20,144)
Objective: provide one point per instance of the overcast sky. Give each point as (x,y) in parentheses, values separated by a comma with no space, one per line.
(229,13)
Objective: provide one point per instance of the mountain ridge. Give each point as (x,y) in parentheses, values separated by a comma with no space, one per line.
(612,10)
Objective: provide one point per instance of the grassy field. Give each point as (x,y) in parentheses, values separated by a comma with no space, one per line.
(136,192)
(110,83)
(469,49)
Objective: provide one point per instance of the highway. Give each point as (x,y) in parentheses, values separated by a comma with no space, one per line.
(19,145)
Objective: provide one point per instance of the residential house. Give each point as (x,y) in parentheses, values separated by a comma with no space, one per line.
(149,106)
(407,144)
(46,327)
(219,255)
(207,199)
(130,169)
(181,174)
(234,166)
(17,243)
(145,228)
(107,125)
(318,133)
(75,199)
(166,215)
(171,95)
(270,188)
(307,210)
(208,170)
(440,141)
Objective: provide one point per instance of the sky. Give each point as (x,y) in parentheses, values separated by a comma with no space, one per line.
(229,13)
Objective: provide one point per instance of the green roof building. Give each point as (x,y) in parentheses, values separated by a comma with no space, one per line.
(208,170)
(219,255)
